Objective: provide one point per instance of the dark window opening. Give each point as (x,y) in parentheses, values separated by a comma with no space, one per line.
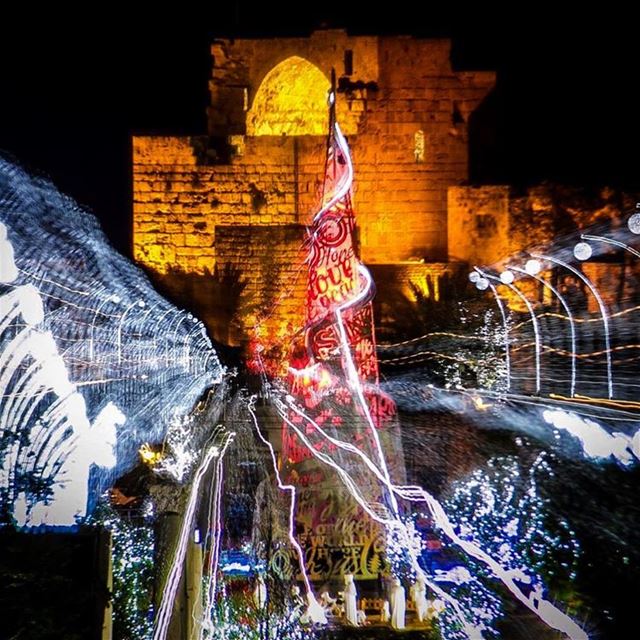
(348,62)
(456,115)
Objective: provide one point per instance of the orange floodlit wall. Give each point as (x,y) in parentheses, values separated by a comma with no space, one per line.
(403,108)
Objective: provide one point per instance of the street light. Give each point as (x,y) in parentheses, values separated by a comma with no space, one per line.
(507,277)
(582,251)
(532,267)
(634,223)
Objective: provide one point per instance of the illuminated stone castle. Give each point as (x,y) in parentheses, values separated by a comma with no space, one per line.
(239,197)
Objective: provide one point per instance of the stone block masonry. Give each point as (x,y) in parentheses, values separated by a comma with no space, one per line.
(179,203)
(494,226)
(405,112)
(270,259)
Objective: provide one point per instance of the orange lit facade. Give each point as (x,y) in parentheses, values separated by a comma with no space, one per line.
(241,195)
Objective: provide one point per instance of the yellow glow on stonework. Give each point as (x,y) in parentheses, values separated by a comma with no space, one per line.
(429,287)
(292,100)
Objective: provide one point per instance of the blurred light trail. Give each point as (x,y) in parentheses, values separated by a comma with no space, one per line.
(601,306)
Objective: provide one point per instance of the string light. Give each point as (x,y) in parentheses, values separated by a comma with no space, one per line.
(132,557)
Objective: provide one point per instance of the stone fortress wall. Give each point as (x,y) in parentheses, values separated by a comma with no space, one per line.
(238,198)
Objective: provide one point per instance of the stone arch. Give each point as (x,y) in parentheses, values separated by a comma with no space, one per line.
(292,100)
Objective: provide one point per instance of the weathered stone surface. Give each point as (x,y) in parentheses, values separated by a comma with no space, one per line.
(402,105)
(493,225)
(488,224)
(478,224)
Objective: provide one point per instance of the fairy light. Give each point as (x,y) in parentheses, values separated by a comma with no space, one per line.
(548,613)
(180,453)
(132,553)
(380,513)
(81,378)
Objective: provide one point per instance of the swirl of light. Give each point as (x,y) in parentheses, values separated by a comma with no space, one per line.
(91,363)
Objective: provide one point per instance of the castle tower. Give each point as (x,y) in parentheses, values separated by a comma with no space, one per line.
(238,197)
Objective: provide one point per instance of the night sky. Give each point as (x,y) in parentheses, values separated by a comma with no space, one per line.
(74,88)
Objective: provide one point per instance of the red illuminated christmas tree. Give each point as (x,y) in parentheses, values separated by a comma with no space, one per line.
(333,378)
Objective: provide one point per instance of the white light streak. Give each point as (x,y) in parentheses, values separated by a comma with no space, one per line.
(597,442)
(173,579)
(611,241)
(291,490)
(569,316)
(603,314)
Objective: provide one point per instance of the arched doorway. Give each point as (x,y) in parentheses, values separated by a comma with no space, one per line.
(292,100)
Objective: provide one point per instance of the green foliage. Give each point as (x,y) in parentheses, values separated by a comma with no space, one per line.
(132,558)
(401,315)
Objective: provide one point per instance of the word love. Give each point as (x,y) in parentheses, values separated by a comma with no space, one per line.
(332,284)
